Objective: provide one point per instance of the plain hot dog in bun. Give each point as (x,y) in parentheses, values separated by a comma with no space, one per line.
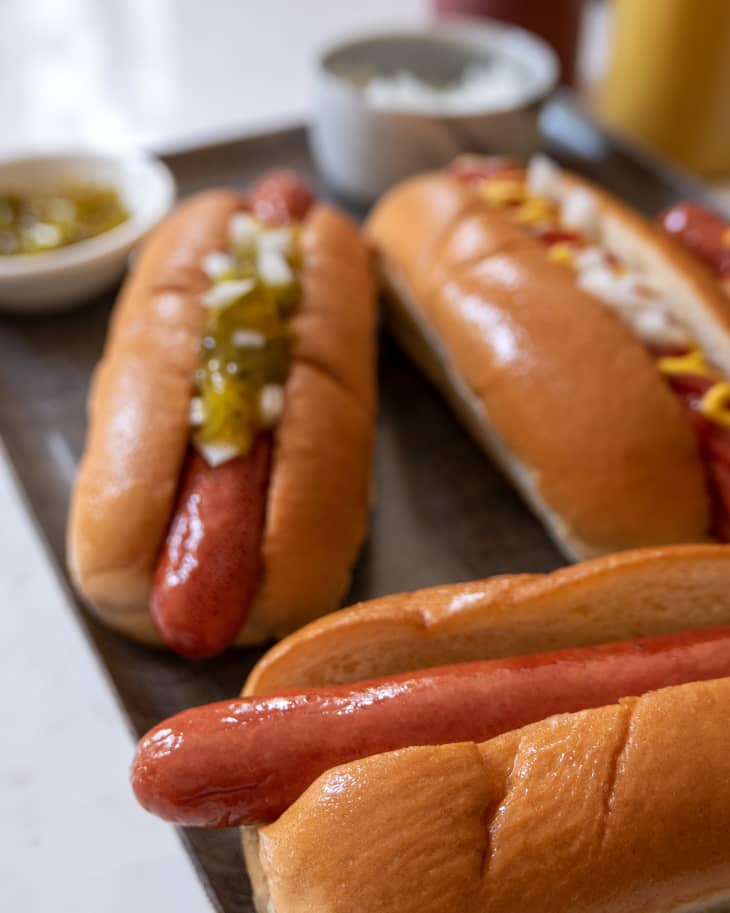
(224,487)
(563,328)
(322,751)
(619,808)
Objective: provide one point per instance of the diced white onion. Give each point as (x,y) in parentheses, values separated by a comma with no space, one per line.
(579,211)
(225,293)
(44,235)
(216,454)
(197,415)
(61,210)
(248,339)
(627,294)
(620,290)
(497,85)
(656,328)
(215,264)
(542,176)
(646,315)
(271,404)
(600,280)
(243,229)
(278,240)
(590,257)
(273,268)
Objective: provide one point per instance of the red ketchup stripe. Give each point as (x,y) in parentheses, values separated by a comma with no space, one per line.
(245,761)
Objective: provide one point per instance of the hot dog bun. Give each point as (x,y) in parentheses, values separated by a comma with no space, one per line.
(139,425)
(138,416)
(639,593)
(403,830)
(544,376)
(622,808)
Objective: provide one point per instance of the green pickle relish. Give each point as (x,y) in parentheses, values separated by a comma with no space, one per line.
(43,220)
(245,349)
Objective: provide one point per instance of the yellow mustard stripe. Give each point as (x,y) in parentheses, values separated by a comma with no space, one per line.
(715,404)
(535,209)
(691,363)
(499,192)
(562,254)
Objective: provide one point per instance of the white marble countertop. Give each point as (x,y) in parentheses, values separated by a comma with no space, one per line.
(163,73)
(72,835)
(167,73)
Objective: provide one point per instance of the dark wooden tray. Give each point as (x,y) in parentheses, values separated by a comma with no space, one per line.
(443,512)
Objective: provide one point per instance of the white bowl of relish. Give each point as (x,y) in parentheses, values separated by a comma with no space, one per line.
(69,220)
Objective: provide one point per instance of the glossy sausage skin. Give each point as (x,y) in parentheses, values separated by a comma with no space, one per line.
(210,562)
(210,565)
(708,237)
(702,232)
(280,197)
(245,761)
(475,168)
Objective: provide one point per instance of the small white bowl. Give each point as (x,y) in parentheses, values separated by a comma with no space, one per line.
(362,149)
(58,279)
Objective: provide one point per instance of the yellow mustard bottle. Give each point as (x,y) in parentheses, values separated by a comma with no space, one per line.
(668,79)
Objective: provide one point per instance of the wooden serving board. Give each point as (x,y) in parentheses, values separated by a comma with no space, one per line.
(443,512)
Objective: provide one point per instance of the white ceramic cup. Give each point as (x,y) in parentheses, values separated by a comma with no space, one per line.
(362,150)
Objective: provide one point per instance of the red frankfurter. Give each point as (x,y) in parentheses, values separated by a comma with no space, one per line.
(279,198)
(478,167)
(245,761)
(209,568)
(708,236)
(210,562)
(701,231)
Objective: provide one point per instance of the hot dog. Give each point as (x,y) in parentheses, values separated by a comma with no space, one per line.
(245,761)
(707,236)
(536,301)
(704,233)
(204,500)
(209,567)
(210,563)
(350,688)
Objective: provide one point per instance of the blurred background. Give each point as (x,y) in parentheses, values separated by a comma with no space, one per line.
(168,74)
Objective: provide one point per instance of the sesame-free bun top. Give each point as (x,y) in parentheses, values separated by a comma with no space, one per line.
(620,809)
(545,376)
(638,593)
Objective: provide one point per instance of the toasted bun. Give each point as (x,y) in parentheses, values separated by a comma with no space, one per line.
(641,593)
(139,426)
(138,416)
(622,809)
(544,376)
